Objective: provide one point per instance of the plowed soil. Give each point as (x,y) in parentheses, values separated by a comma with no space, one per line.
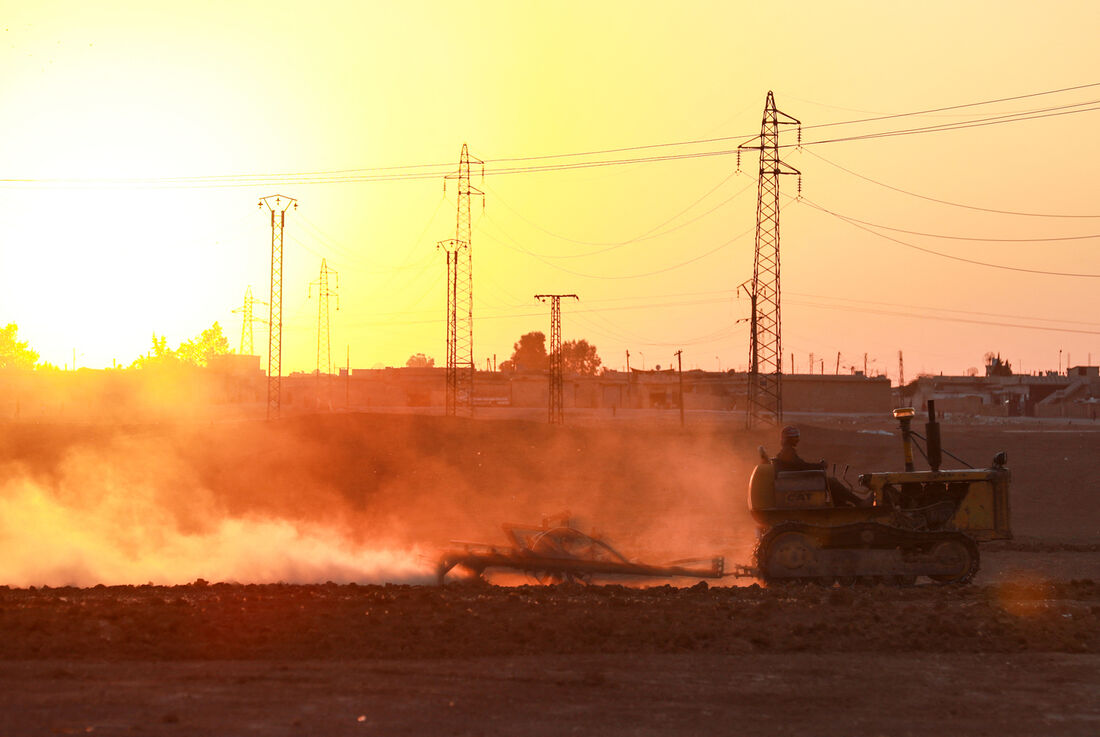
(1015,653)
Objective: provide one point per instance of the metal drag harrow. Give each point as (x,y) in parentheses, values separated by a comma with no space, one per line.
(557,552)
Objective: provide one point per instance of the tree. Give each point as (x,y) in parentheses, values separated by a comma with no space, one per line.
(578,357)
(529,354)
(194,352)
(15,353)
(209,343)
(420,361)
(996,366)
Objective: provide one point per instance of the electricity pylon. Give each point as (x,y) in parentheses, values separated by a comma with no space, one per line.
(460,293)
(324,353)
(765,388)
(277,204)
(454,248)
(557,412)
(247,320)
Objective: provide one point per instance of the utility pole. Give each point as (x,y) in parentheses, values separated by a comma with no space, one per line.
(557,413)
(837,372)
(811,363)
(247,320)
(901,370)
(277,204)
(460,293)
(324,334)
(765,405)
(680,372)
(629,388)
(864,364)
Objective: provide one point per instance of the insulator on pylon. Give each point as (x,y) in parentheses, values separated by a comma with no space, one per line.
(738,160)
(800,136)
(799,186)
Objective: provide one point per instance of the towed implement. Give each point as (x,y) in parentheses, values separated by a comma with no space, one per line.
(911,523)
(557,552)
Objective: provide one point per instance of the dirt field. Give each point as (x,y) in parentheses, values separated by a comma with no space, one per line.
(363,500)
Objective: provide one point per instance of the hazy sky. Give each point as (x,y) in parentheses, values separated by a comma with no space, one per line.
(242,94)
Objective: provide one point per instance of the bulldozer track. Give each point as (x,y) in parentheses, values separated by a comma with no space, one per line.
(864,553)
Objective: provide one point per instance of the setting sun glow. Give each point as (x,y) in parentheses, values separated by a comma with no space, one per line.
(137,139)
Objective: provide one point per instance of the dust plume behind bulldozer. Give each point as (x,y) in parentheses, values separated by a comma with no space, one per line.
(367,498)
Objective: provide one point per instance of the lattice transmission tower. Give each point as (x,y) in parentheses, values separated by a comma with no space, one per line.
(460,292)
(278,205)
(557,412)
(324,352)
(247,320)
(765,379)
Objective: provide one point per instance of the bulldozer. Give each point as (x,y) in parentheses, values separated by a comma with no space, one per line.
(912,524)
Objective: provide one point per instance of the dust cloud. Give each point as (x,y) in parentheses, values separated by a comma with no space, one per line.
(46,542)
(363,498)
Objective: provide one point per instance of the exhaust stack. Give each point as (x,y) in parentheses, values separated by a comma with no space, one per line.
(932,433)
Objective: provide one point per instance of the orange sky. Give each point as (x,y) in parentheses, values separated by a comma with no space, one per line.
(97,95)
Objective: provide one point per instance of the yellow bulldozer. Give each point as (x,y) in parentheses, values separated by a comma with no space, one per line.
(913,523)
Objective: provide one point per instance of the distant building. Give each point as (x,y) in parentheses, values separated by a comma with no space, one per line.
(1075,394)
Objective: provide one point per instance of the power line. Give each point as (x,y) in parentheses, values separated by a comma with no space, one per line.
(948,255)
(338,177)
(435,321)
(725,296)
(899,313)
(972,238)
(939,128)
(947,202)
(406,172)
(953,311)
(647,235)
(656,272)
(951,107)
(622,244)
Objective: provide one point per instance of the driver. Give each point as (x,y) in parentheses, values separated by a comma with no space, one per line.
(789,460)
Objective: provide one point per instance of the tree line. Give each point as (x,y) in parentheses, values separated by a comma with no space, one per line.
(197,351)
(529,354)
